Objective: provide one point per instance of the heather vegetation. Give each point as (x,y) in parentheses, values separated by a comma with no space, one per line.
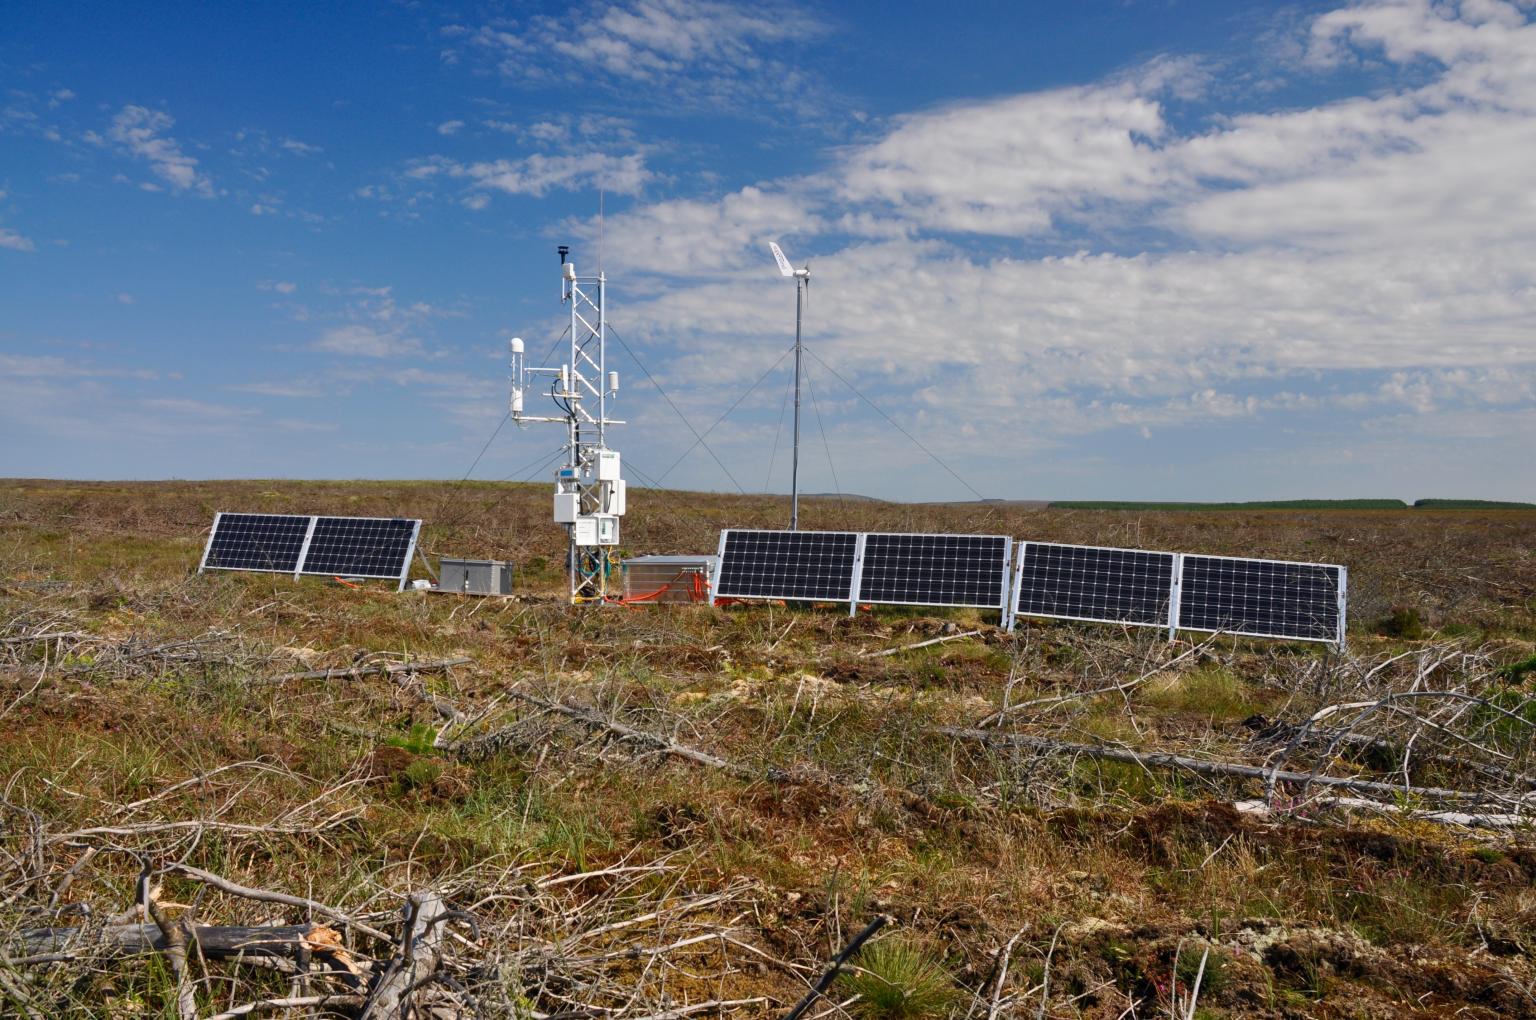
(240,795)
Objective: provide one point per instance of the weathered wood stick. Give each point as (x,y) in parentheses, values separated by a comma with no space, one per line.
(366,670)
(1202,766)
(920,644)
(672,747)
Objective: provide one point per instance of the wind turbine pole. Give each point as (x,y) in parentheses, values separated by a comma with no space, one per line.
(794,471)
(802,281)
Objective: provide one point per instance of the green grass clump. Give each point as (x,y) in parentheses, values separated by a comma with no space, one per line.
(899,980)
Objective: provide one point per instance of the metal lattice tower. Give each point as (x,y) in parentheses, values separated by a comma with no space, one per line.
(589,491)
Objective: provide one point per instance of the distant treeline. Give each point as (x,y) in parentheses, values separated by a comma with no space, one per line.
(1470,504)
(1294,504)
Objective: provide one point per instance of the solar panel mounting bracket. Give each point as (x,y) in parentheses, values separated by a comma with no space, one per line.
(1006,617)
(858,574)
(405,561)
(309,535)
(202,564)
(1174,592)
(719,558)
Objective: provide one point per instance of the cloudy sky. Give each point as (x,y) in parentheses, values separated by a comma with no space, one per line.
(1177,249)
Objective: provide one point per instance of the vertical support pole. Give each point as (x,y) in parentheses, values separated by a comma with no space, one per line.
(856,583)
(1175,593)
(1005,612)
(309,535)
(1018,586)
(208,546)
(794,468)
(1343,605)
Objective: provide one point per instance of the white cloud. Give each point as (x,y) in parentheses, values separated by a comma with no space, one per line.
(125,298)
(295,389)
(141,132)
(450,127)
(14,241)
(59,97)
(41,366)
(366,341)
(539,174)
(700,53)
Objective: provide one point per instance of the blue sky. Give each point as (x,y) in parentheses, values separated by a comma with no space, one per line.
(1135,249)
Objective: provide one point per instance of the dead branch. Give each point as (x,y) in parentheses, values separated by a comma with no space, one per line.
(921,644)
(388,668)
(268,896)
(591,718)
(1204,767)
(426,917)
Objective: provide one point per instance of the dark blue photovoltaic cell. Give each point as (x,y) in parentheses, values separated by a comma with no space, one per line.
(1264,598)
(934,570)
(360,546)
(1079,582)
(812,565)
(256,542)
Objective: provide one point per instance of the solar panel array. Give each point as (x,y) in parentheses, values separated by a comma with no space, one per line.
(1080,582)
(854,567)
(1231,595)
(935,570)
(303,544)
(812,565)
(1262,598)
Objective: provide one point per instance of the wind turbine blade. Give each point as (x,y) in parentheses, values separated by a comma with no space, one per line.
(785,269)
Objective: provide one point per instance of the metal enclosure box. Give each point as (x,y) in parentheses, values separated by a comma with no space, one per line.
(474,577)
(567,507)
(669,579)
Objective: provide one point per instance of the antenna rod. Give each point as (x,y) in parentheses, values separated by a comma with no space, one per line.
(794,471)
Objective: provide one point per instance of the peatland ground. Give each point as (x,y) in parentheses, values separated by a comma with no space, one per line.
(240,795)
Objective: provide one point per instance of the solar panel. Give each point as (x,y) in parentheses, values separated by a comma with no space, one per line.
(292,544)
(814,565)
(1262,598)
(361,546)
(935,570)
(256,542)
(1081,582)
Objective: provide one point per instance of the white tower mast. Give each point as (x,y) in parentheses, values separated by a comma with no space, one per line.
(802,281)
(589,492)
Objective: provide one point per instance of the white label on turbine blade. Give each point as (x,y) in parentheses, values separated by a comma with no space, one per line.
(778,256)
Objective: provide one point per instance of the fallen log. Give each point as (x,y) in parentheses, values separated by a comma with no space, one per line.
(295,942)
(1205,767)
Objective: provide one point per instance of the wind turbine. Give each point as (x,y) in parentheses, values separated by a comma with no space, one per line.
(802,282)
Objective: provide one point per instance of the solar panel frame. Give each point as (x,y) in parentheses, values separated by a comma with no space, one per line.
(1164,615)
(1003,568)
(1339,601)
(333,569)
(719,589)
(223,518)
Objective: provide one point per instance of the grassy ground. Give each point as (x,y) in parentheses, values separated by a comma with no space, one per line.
(609,877)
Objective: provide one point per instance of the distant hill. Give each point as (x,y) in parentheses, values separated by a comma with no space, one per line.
(1279,504)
